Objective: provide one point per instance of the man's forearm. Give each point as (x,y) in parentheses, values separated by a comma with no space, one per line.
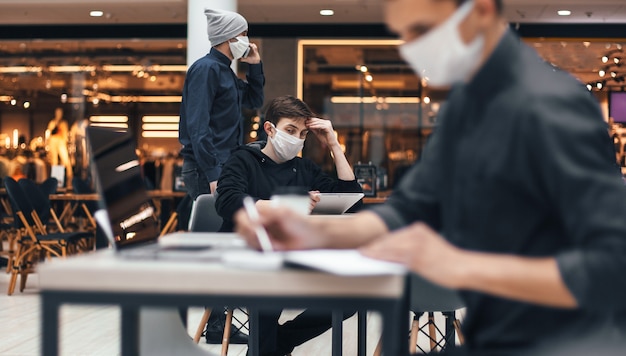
(344,170)
(533,280)
(349,232)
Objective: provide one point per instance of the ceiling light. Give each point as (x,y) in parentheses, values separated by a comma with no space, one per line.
(96,13)
(13,102)
(363,69)
(369,78)
(589,87)
(605,59)
(602,73)
(613,74)
(26,104)
(564,12)
(616,60)
(426,100)
(599,85)
(327,12)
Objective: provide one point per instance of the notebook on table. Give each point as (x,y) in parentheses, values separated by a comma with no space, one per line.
(127,214)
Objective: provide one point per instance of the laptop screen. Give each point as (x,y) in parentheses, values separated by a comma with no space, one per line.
(120,185)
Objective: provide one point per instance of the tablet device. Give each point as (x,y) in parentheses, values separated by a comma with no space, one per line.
(336,203)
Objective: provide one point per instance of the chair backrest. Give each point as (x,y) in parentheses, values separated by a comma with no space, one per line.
(204,217)
(39,201)
(81,186)
(49,186)
(428,297)
(19,202)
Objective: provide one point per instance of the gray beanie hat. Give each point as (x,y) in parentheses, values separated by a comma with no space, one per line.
(223,25)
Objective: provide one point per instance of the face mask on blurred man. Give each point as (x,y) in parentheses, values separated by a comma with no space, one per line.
(441,56)
(239,48)
(286,146)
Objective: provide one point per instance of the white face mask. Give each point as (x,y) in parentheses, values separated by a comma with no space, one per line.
(285,146)
(441,56)
(239,48)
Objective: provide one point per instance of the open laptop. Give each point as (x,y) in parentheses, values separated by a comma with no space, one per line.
(335,203)
(127,214)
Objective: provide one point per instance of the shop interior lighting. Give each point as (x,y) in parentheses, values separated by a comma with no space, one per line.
(327,12)
(91,68)
(96,13)
(373,99)
(160,126)
(564,12)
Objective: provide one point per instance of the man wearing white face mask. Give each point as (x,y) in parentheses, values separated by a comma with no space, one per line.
(501,206)
(211,124)
(257,170)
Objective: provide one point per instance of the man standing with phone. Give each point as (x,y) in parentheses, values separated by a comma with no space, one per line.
(210,115)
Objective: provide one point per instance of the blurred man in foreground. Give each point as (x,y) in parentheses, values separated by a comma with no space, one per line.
(516,200)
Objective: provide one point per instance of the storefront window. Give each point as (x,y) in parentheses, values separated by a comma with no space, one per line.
(381,111)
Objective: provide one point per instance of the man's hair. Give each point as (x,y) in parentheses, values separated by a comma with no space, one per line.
(287,107)
(498,4)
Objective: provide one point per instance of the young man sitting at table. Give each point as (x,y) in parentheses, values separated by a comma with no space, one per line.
(256,170)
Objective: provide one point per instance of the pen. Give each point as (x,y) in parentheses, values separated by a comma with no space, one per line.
(261,234)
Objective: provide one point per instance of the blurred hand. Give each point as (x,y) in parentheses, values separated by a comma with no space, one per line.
(213,186)
(323,129)
(254,57)
(288,229)
(422,250)
(315,198)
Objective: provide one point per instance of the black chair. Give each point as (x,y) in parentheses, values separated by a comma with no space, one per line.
(89,207)
(49,186)
(32,246)
(179,219)
(426,297)
(41,204)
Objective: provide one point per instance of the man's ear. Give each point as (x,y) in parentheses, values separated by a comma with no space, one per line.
(267,126)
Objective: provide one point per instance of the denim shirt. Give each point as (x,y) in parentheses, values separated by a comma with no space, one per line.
(210,114)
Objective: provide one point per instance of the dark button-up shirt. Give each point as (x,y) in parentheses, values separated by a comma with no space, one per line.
(210,114)
(522,164)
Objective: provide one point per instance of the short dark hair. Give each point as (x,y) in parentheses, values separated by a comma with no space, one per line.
(287,107)
(499,5)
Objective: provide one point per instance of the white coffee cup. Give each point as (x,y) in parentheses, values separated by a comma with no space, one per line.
(294,198)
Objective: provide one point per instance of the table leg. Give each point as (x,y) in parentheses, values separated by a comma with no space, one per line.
(395,326)
(49,327)
(361,332)
(130,331)
(337,332)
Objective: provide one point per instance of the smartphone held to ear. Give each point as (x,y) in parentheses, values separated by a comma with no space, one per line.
(246,53)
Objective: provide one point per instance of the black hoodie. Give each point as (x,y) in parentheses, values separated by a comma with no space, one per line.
(249,171)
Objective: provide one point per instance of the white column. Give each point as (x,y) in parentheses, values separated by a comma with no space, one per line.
(198,44)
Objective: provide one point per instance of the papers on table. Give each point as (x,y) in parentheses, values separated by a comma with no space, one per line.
(343,262)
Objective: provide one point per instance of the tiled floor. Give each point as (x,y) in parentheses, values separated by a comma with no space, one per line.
(94,330)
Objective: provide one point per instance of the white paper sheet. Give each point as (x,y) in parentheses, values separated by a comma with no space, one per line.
(343,262)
